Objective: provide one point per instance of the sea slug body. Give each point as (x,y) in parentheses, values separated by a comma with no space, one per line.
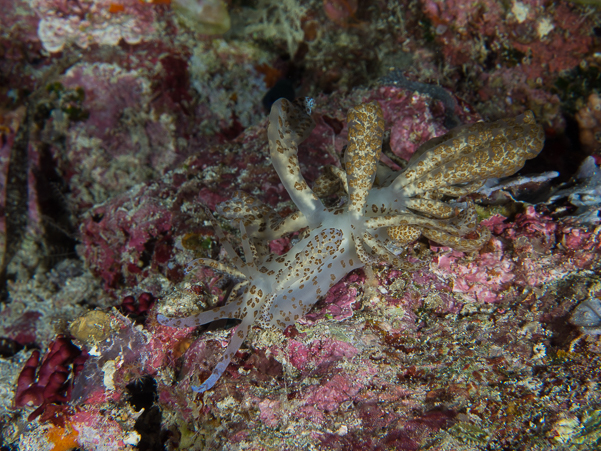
(385,210)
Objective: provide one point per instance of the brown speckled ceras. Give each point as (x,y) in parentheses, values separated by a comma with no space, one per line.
(385,210)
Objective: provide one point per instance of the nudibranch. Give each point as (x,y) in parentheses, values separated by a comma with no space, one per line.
(384,211)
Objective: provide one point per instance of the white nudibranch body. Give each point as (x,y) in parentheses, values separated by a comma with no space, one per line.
(277,290)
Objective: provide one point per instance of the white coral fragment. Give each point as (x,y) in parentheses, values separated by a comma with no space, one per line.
(91,22)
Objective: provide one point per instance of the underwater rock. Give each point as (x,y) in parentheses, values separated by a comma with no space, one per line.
(586,194)
(92,327)
(587,316)
(203,16)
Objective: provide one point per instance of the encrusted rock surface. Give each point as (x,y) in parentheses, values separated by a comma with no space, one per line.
(137,123)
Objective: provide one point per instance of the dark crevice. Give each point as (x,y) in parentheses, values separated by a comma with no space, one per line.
(562,153)
(59,232)
(9,347)
(16,212)
(17,196)
(143,395)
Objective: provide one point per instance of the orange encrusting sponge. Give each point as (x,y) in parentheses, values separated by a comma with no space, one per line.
(63,439)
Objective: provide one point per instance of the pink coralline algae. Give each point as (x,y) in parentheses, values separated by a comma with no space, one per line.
(400,107)
(532,250)
(338,304)
(121,142)
(400,110)
(126,234)
(331,394)
(314,402)
(19,26)
(133,234)
(122,239)
(318,355)
(49,382)
(550,39)
(515,50)
(23,326)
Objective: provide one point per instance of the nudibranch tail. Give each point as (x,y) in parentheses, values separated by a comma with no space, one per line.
(365,135)
(206,317)
(457,242)
(232,254)
(366,132)
(238,337)
(430,207)
(289,125)
(473,152)
(460,190)
(260,220)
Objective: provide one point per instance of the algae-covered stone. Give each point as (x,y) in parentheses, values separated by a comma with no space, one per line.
(92,327)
